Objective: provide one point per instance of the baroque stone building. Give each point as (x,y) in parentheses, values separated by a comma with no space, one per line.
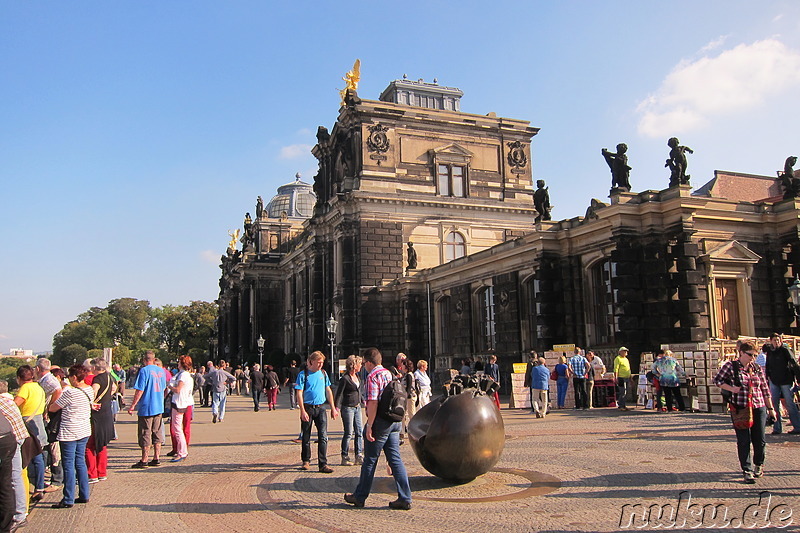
(643,269)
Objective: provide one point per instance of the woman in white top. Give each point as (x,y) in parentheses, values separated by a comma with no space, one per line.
(75,404)
(182,388)
(424,382)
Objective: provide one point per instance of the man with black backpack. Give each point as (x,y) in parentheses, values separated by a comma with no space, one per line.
(385,410)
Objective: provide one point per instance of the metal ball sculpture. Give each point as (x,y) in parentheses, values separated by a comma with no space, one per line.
(460,435)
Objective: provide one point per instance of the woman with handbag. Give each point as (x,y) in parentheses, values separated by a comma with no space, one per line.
(75,404)
(102,422)
(31,400)
(749,390)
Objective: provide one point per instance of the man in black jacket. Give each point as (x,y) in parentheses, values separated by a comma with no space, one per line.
(256,385)
(780,370)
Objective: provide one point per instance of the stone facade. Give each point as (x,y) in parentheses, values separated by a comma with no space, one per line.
(645,269)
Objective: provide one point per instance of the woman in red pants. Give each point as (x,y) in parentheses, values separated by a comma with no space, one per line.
(102,422)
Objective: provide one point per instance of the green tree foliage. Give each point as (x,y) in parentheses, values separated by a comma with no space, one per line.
(70,355)
(131,326)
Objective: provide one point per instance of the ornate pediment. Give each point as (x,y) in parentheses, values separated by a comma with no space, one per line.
(730,251)
(451,153)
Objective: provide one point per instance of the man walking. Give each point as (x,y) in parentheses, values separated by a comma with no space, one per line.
(219,379)
(313,388)
(150,387)
(780,371)
(256,385)
(380,434)
(291,379)
(578,368)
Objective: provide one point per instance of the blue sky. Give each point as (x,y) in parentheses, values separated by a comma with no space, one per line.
(136,134)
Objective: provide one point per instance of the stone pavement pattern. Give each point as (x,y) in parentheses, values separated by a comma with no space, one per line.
(572,471)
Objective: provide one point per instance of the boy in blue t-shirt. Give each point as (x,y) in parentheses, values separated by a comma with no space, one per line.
(150,387)
(313,388)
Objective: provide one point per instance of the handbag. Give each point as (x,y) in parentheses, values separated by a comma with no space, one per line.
(554,375)
(742,417)
(30,449)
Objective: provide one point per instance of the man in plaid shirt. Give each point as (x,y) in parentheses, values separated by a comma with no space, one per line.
(380,434)
(578,368)
(13,499)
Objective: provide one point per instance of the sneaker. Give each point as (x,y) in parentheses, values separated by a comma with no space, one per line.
(140,464)
(400,504)
(52,488)
(177,459)
(154,462)
(359,460)
(213,419)
(173,453)
(758,471)
(346,461)
(102,478)
(325,469)
(93,480)
(748,478)
(351,499)
(305,466)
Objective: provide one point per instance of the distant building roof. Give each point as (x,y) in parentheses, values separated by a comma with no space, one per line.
(294,200)
(422,94)
(741,187)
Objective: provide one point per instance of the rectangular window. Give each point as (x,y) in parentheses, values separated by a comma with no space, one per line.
(451,180)
(444,325)
(487,318)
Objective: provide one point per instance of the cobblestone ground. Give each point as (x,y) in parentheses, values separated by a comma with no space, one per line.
(572,471)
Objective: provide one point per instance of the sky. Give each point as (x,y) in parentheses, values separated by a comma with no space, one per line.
(134,135)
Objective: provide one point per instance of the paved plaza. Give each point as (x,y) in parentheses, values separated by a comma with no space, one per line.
(573,471)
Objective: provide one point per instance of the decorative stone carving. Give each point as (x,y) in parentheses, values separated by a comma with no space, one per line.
(378,142)
(517,158)
(541,201)
(791,184)
(618,163)
(677,162)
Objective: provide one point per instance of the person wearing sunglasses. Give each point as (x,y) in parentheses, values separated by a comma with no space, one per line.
(743,378)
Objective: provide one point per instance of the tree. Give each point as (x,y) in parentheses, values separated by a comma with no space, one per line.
(70,355)
(130,318)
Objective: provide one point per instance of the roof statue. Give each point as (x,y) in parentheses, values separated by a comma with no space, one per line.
(234,235)
(351,80)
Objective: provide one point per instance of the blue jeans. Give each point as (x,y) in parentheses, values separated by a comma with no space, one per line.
(353,428)
(21,497)
(561,390)
(218,400)
(776,391)
(36,472)
(73,453)
(387,438)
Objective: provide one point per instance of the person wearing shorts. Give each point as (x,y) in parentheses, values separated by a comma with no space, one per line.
(150,387)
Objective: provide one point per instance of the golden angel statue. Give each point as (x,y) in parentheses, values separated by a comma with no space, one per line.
(234,235)
(351,79)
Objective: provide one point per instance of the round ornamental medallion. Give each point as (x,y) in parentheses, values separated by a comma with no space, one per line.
(378,141)
(516,155)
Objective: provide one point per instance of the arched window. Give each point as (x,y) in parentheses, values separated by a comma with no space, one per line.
(454,246)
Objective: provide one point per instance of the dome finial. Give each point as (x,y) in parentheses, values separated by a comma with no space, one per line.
(298,176)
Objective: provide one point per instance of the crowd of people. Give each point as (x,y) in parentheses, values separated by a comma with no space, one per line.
(56,429)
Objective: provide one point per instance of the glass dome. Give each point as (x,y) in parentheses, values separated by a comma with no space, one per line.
(294,200)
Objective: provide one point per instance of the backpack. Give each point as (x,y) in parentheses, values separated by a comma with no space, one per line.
(392,403)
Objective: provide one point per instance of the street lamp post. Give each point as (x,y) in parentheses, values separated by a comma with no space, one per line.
(260,343)
(330,325)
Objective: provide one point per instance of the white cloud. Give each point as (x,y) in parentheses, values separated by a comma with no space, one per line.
(713,45)
(4,336)
(295,150)
(210,256)
(777,17)
(736,80)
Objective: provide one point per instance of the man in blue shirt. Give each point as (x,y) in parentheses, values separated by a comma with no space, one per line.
(313,388)
(150,387)
(578,368)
